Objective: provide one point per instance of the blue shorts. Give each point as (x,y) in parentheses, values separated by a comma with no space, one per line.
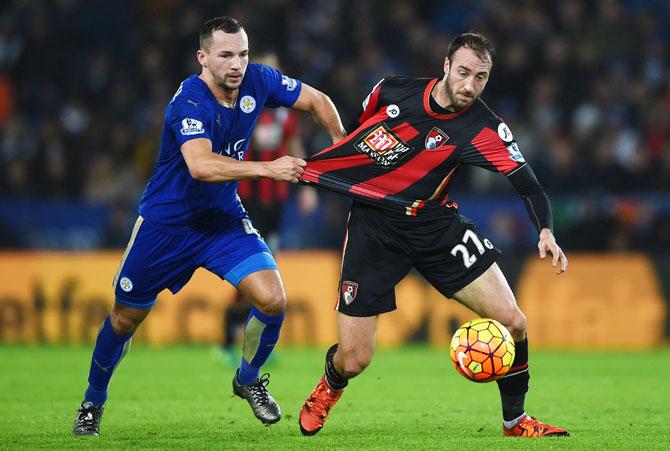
(155,260)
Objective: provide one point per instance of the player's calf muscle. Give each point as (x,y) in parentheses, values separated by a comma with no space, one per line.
(352,362)
(351,367)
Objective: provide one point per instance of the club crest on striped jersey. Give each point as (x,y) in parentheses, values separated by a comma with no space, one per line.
(436,138)
(383,146)
(349,291)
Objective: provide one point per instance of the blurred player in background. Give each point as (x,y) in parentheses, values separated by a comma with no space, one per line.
(398,163)
(277,134)
(190,215)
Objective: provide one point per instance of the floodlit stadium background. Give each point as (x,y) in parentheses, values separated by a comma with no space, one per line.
(584,86)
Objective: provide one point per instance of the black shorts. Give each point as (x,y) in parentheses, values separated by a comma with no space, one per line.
(380,248)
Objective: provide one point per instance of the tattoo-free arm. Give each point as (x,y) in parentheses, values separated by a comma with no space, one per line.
(323,110)
(206,166)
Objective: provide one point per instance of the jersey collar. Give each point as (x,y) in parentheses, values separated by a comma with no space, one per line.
(221,103)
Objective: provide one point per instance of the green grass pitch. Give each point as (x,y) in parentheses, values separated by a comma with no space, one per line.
(409,398)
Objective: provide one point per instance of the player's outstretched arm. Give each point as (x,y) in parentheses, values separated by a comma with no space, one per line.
(548,243)
(539,211)
(206,166)
(323,110)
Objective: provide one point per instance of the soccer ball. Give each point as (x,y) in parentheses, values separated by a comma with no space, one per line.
(482,350)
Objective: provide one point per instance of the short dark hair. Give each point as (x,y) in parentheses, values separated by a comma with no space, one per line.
(223,23)
(475,41)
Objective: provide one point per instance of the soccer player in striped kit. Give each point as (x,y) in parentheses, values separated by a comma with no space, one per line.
(399,162)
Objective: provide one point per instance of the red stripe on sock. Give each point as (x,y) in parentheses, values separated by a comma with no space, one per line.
(518,368)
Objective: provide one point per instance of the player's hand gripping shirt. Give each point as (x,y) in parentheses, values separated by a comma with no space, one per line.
(403,156)
(175,201)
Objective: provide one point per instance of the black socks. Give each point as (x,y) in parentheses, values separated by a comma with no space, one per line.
(334,379)
(514,385)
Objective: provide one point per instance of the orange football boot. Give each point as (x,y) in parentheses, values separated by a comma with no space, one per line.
(315,410)
(529,427)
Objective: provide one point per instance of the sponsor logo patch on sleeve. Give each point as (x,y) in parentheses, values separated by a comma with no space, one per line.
(393,111)
(191,127)
(505,133)
(289,82)
(383,146)
(515,153)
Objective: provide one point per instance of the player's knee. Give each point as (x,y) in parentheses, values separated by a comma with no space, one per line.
(126,320)
(123,324)
(517,325)
(273,304)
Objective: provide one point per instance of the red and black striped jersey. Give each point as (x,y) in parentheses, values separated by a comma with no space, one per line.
(274,130)
(404,155)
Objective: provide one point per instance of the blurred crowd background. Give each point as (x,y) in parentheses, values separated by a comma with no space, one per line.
(584,86)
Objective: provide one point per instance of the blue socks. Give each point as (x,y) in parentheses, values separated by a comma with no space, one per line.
(108,352)
(260,337)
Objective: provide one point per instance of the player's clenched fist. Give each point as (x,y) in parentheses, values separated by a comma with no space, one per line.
(286,169)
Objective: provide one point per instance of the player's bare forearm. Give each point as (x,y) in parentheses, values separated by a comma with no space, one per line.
(322,109)
(206,166)
(219,169)
(547,243)
(326,114)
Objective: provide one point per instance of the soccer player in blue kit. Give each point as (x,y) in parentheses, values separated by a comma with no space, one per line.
(190,215)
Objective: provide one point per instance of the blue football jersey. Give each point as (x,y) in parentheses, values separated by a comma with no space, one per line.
(173,200)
